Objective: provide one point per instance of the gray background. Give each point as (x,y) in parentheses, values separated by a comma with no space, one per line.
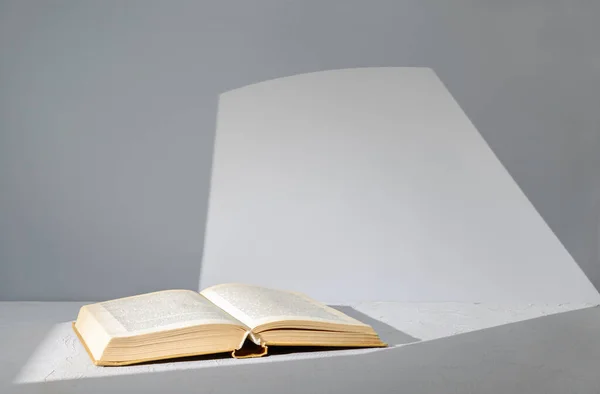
(107,117)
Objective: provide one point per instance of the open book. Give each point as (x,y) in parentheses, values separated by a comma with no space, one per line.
(237,318)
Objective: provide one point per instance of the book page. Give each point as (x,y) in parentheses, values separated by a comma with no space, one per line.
(255,305)
(158,311)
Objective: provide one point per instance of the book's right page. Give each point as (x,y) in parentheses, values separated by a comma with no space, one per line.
(257,306)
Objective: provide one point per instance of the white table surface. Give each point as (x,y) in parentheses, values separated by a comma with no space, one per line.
(437,347)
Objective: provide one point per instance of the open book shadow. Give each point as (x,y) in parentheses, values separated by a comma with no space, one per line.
(552,354)
(388,334)
(205,357)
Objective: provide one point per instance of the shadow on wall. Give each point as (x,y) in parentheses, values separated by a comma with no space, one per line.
(387,333)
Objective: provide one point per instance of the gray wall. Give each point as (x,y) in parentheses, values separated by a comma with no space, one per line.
(107,117)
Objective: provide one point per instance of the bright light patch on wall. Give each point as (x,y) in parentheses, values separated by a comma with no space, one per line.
(372,184)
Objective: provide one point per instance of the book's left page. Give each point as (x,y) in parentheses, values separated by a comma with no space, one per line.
(158,311)
(133,327)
